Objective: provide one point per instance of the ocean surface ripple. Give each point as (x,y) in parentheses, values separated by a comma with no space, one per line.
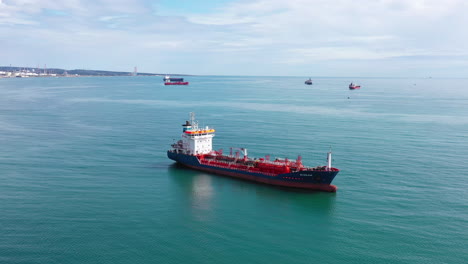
(85,177)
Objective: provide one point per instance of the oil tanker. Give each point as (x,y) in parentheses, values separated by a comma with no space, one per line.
(194,150)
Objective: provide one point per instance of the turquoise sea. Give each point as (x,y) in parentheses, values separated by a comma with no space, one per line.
(85,178)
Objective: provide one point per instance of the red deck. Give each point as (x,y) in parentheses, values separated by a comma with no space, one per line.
(272,168)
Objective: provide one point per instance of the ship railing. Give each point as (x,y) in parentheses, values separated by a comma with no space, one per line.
(270,172)
(318,168)
(223,164)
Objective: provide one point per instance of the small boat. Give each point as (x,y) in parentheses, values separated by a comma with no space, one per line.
(308,82)
(353,86)
(174,81)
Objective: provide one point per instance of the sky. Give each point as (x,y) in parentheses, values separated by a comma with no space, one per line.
(336,38)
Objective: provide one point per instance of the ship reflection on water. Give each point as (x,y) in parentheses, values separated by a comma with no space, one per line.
(205,189)
(202,191)
(197,185)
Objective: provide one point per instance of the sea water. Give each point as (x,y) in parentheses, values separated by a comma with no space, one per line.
(85,178)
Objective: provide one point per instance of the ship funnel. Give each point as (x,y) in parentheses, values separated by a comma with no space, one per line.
(187,126)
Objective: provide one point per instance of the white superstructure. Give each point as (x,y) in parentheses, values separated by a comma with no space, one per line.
(195,140)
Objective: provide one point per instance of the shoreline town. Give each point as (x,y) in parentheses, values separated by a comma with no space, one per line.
(26,72)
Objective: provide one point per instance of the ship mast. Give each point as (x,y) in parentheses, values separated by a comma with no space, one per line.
(329,160)
(192,121)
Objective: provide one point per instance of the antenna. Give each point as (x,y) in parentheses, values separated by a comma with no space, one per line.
(193,122)
(192,117)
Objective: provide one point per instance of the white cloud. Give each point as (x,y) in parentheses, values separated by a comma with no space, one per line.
(110,18)
(240,36)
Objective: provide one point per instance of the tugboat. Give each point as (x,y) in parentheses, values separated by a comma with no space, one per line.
(174,81)
(353,86)
(308,82)
(195,151)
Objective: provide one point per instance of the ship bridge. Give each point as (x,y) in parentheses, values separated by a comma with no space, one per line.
(196,140)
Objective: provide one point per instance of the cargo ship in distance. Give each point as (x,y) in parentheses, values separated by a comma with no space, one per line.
(353,86)
(174,81)
(195,151)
